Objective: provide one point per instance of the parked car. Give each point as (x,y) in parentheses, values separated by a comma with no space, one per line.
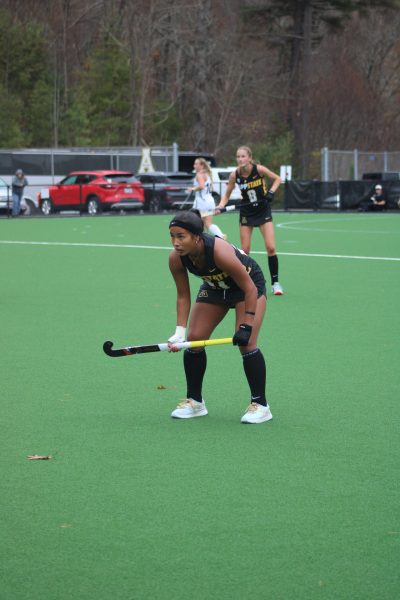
(93,191)
(164,190)
(220,176)
(28,206)
(382,176)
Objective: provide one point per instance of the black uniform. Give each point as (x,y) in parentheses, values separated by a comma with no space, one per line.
(218,286)
(254,190)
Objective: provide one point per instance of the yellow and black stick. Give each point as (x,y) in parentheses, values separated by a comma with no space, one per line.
(128,350)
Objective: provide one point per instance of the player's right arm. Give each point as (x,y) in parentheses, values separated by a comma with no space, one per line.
(180,275)
(199,183)
(229,189)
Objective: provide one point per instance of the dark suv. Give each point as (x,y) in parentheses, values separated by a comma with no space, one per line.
(164,191)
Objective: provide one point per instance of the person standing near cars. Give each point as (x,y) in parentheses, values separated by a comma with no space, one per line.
(252,181)
(19,182)
(203,199)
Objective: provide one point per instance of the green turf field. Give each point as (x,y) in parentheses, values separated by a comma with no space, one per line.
(135,505)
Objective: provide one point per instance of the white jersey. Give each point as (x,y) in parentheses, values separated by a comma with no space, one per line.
(203,199)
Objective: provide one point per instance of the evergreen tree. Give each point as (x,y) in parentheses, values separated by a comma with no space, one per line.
(26,89)
(298,26)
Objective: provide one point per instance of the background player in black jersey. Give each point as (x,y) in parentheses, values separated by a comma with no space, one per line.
(252,180)
(231,279)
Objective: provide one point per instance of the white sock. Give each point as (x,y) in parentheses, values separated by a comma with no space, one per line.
(215,230)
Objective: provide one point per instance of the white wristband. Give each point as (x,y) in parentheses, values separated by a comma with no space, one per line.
(179,335)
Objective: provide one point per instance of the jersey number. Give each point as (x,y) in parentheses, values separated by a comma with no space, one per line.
(252,195)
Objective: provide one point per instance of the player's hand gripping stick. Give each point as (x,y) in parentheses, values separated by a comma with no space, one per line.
(242,336)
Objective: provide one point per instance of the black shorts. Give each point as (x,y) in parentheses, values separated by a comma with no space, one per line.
(229,297)
(256,215)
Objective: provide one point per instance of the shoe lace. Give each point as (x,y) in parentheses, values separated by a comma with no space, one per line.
(252,407)
(184,403)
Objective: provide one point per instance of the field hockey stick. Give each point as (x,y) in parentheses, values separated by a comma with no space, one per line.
(217,211)
(187,199)
(108,347)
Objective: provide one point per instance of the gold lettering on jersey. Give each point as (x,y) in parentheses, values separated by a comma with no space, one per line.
(211,279)
(203,294)
(217,277)
(255,183)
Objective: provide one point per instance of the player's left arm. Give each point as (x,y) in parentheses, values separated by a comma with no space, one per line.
(268,174)
(226,260)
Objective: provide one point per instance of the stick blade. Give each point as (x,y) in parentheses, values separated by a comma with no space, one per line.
(107,347)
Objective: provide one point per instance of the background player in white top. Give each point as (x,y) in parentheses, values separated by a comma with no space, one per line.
(203,199)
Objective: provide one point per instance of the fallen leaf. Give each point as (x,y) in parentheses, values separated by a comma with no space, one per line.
(39,457)
(163,387)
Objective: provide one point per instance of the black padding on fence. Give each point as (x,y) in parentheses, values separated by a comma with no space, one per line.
(336,195)
(353,192)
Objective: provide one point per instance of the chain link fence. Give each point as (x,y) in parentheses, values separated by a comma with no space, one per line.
(350,165)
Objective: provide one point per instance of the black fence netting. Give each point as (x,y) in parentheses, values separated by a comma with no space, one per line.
(336,195)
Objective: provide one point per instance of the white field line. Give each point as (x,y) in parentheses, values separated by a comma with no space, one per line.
(139,247)
(303,225)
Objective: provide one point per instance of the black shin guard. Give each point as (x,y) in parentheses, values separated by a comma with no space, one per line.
(273,268)
(255,370)
(195,364)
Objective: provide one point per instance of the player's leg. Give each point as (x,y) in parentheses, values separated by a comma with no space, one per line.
(257,322)
(254,367)
(268,233)
(212,228)
(204,319)
(16,205)
(245,232)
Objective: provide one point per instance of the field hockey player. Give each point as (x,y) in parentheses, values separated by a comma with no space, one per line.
(256,212)
(231,279)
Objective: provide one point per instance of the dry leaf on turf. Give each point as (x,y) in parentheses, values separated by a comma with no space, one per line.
(39,457)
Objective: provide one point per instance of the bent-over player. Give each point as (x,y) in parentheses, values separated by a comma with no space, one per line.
(231,279)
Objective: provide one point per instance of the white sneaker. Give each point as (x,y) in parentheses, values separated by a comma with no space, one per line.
(277,289)
(256,413)
(187,409)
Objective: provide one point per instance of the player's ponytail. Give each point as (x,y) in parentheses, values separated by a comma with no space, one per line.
(205,165)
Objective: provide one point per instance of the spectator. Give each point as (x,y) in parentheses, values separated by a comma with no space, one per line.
(19,182)
(376,202)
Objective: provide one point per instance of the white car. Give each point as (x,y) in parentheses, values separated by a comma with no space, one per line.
(220,176)
(28,205)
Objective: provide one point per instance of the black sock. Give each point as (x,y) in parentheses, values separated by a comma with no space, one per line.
(195,364)
(255,370)
(273,268)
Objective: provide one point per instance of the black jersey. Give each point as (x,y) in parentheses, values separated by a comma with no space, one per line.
(253,189)
(212,275)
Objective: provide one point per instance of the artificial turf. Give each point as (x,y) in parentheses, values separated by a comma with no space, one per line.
(134,505)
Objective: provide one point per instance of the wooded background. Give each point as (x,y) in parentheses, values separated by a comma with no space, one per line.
(285,77)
